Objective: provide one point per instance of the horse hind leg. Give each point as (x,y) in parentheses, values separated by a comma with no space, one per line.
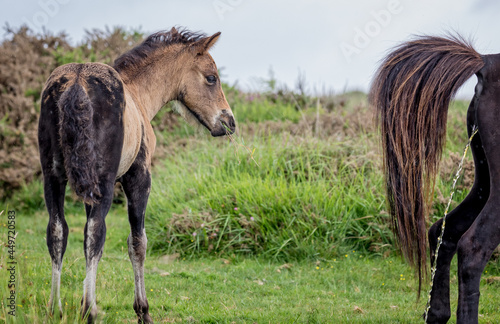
(57,235)
(137,244)
(95,235)
(54,185)
(478,243)
(137,185)
(474,250)
(458,222)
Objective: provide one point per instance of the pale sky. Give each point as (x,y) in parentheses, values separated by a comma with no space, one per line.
(336,44)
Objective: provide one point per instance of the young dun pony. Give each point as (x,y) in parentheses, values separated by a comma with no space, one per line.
(411,92)
(95,130)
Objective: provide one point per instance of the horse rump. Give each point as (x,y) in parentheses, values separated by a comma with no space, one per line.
(76,132)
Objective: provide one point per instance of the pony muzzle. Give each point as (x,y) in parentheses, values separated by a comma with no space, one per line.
(224,124)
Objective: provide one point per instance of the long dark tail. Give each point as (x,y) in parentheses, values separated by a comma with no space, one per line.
(78,143)
(411,93)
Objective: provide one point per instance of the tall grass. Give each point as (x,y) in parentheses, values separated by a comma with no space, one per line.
(305,199)
(311,196)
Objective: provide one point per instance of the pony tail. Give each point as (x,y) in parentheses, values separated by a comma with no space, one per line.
(411,92)
(78,143)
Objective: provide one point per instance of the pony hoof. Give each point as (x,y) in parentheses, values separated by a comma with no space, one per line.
(55,310)
(90,315)
(146,319)
(53,314)
(436,319)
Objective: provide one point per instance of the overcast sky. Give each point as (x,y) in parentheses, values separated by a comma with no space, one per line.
(336,44)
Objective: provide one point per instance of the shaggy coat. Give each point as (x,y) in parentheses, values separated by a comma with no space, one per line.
(95,130)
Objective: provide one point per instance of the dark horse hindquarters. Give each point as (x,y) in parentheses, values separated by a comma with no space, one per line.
(80,140)
(411,93)
(91,109)
(81,105)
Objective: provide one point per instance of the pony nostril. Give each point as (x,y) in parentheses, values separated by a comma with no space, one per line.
(227,121)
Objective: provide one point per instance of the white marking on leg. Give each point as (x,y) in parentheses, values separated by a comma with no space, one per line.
(90,235)
(57,244)
(89,293)
(55,292)
(58,236)
(137,258)
(56,166)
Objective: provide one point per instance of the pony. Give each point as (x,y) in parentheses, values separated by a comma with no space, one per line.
(411,92)
(95,130)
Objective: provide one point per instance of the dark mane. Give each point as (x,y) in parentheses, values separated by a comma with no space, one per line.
(140,55)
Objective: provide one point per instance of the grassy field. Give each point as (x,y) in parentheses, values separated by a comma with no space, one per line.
(351,288)
(285,225)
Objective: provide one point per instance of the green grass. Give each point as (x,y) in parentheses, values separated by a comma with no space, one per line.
(305,199)
(301,196)
(315,200)
(350,288)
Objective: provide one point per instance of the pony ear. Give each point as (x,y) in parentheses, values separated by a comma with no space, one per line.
(203,45)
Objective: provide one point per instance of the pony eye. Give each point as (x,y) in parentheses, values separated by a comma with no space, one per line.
(211,79)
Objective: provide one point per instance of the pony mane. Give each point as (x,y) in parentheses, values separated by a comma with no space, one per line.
(142,54)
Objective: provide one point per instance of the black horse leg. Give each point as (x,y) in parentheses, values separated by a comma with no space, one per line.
(474,250)
(458,222)
(477,244)
(137,185)
(54,185)
(95,235)
(57,234)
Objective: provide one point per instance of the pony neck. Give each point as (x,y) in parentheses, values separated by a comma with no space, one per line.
(157,84)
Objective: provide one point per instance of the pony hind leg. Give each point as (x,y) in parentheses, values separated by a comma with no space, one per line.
(137,185)
(458,222)
(57,235)
(95,235)
(478,243)
(474,250)
(54,186)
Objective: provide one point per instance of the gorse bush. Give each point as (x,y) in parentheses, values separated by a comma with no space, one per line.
(26,61)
